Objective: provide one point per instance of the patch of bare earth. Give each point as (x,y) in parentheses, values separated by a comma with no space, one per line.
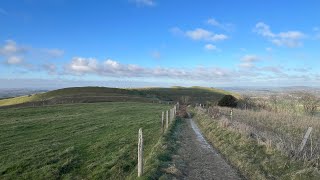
(196,159)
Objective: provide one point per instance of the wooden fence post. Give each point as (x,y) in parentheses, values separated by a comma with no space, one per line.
(140,153)
(305,138)
(167,120)
(171,114)
(231,114)
(162,120)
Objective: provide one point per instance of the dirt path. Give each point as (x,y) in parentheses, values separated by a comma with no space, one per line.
(197,159)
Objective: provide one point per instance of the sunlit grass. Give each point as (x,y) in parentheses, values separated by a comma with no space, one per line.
(80,141)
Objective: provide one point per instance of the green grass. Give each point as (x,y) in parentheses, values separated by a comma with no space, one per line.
(77,141)
(161,156)
(102,94)
(196,94)
(78,94)
(253,160)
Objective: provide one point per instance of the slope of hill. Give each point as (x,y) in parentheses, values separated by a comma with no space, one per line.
(77,141)
(104,94)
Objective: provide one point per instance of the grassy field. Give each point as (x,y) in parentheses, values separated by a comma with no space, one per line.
(76,141)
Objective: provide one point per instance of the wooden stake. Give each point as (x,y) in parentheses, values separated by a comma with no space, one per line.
(167,120)
(305,139)
(140,153)
(162,120)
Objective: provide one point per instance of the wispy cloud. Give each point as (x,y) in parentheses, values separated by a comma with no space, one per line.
(211,47)
(149,3)
(223,26)
(55,53)
(269,49)
(11,48)
(316,30)
(14,60)
(50,68)
(200,34)
(289,39)
(14,54)
(248,61)
(156,54)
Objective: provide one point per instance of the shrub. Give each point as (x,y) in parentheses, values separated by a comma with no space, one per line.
(228,101)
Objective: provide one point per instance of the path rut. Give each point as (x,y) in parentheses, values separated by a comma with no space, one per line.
(197,159)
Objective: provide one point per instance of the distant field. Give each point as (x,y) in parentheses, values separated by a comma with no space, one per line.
(77,141)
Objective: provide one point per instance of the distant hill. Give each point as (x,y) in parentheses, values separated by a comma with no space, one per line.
(103,94)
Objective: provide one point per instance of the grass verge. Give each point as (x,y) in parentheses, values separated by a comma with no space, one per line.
(161,156)
(254,161)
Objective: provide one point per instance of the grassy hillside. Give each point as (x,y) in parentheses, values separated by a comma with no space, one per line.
(195,94)
(76,141)
(102,94)
(79,94)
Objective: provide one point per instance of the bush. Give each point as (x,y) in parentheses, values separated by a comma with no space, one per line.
(228,101)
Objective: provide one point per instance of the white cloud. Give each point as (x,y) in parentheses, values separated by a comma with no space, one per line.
(223,26)
(249,58)
(205,35)
(144,2)
(11,48)
(14,60)
(109,63)
(264,30)
(112,68)
(211,47)
(17,55)
(288,39)
(80,65)
(248,61)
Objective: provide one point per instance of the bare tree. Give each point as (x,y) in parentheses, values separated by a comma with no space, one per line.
(274,101)
(310,102)
(245,102)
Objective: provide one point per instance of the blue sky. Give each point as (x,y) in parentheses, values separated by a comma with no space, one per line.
(125,43)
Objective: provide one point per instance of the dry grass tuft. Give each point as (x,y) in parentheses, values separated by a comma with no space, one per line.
(283,131)
(173,171)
